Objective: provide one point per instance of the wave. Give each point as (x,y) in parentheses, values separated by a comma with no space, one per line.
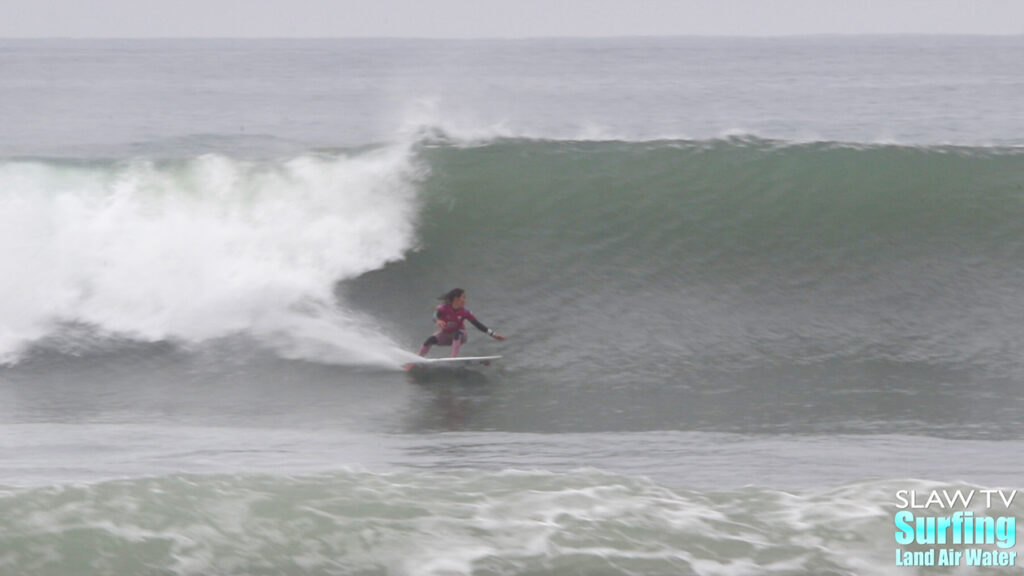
(514,522)
(781,252)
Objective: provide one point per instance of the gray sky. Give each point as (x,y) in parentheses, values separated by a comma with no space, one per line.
(502,18)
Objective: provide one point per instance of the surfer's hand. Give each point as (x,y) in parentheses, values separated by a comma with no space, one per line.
(440,323)
(497,336)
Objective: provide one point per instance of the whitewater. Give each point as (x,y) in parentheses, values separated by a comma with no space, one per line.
(198,249)
(752,288)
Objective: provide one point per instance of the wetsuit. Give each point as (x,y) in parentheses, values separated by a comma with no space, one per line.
(454,331)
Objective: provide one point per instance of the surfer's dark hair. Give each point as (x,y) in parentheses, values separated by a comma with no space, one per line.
(451,295)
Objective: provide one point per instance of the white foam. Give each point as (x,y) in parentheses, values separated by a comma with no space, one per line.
(203,248)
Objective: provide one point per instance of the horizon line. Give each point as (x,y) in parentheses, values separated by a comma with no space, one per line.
(545,37)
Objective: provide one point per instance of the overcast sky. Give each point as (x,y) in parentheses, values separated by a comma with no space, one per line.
(502,18)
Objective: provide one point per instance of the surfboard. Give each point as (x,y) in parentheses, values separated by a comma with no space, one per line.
(457,362)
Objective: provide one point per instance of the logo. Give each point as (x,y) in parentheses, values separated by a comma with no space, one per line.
(956,535)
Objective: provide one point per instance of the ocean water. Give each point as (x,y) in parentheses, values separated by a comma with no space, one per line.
(753,289)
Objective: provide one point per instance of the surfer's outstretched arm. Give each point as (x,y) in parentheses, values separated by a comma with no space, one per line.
(480,326)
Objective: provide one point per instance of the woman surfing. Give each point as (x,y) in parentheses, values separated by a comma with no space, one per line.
(450,318)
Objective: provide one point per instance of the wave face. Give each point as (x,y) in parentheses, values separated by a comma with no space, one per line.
(197,249)
(745,249)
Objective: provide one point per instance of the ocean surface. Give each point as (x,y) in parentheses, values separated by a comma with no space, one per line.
(752,289)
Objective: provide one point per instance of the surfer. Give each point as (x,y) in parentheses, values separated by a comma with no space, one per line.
(450,317)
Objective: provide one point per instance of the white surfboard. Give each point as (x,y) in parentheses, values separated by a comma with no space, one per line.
(457,362)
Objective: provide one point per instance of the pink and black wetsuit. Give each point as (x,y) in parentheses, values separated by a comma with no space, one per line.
(454,331)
